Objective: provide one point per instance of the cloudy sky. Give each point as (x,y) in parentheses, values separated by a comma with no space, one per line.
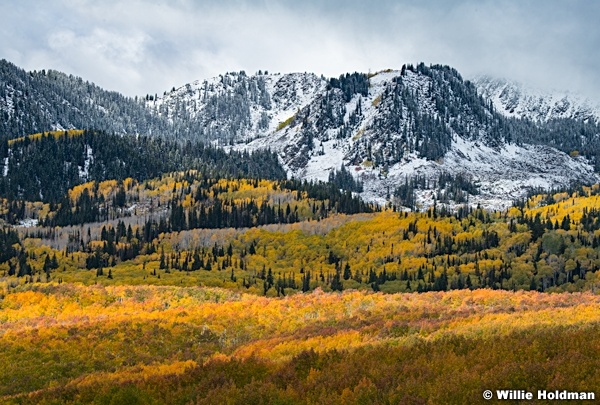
(140,47)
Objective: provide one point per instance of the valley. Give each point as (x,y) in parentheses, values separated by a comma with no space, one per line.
(391,237)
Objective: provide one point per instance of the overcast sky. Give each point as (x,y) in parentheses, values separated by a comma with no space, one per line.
(140,47)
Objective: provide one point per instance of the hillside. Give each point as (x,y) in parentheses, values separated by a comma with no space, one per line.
(45,101)
(44,166)
(280,237)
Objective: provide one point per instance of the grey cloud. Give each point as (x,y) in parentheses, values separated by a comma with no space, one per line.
(140,47)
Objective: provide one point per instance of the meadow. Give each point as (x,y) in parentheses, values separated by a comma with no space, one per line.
(69,343)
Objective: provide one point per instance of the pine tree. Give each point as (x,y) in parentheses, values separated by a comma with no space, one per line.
(306,281)
(336,283)
(347,272)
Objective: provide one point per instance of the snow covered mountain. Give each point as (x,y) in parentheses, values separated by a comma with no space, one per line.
(410,135)
(32,102)
(518,100)
(419,122)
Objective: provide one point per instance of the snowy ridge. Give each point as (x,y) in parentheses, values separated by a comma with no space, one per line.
(40,101)
(331,152)
(517,100)
(250,106)
(503,175)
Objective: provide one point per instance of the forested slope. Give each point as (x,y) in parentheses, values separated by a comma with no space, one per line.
(43,167)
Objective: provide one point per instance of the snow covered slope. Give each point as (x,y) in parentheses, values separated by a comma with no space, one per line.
(33,102)
(235,107)
(502,174)
(415,123)
(517,100)
(385,128)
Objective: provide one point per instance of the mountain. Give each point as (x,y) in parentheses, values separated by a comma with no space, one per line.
(408,136)
(32,102)
(515,99)
(417,122)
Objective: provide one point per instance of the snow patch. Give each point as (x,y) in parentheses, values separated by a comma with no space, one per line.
(28,223)
(328,159)
(84,171)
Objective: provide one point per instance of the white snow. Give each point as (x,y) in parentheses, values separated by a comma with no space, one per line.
(28,223)
(89,158)
(503,175)
(320,166)
(518,100)
(288,93)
